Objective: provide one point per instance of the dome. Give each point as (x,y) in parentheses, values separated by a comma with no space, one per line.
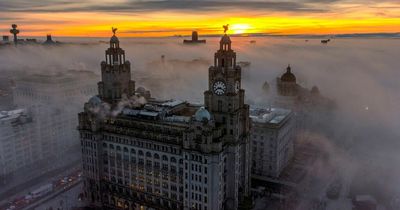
(95,101)
(288,76)
(225,39)
(315,90)
(114,39)
(202,114)
(140,90)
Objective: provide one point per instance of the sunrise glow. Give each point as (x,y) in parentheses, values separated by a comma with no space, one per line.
(335,18)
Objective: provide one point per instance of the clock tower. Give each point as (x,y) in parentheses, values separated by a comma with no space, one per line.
(115,74)
(224,99)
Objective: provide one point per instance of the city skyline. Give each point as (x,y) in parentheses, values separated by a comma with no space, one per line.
(164,18)
(199,104)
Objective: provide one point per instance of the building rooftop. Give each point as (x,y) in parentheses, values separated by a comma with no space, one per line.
(273,116)
(170,111)
(13,114)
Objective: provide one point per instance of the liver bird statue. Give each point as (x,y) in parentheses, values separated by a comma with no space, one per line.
(114,30)
(226,28)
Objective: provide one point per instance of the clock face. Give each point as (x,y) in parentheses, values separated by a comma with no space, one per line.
(219,88)
(237,86)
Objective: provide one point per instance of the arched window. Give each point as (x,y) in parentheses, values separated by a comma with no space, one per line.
(111,146)
(181,161)
(156,156)
(118,148)
(148,154)
(133,151)
(173,160)
(141,152)
(105,145)
(164,157)
(126,149)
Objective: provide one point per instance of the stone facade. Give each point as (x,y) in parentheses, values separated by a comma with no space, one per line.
(273,134)
(166,154)
(19,146)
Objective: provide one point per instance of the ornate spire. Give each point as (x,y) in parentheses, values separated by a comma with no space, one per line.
(115,55)
(116,73)
(225,43)
(225,57)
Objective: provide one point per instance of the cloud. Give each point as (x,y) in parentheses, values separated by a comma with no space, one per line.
(141,6)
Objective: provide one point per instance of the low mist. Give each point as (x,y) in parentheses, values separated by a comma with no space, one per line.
(360,75)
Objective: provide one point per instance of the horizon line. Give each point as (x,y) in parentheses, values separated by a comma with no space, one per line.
(339,35)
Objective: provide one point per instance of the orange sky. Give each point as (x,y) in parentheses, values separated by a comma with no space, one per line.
(317,18)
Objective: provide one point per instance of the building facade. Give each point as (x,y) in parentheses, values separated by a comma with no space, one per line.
(272,139)
(166,154)
(18,142)
(53,101)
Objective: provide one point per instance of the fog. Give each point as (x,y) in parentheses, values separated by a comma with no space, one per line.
(360,75)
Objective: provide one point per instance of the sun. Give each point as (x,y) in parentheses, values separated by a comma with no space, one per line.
(240,28)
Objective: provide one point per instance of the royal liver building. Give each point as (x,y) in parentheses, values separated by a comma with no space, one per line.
(144,153)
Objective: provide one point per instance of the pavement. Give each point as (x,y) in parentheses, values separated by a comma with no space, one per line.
(66,200)
(37,177)
(62,182)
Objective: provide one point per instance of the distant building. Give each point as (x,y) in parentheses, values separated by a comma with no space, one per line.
(272,139)
(166,154)
(31,41)
(293,96)
(53,101)
(195,39)
(6,39)
(19,142)
(49,40)
(6,94)
(287,89)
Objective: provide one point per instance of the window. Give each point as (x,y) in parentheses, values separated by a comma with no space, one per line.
(156,156)
(165,158)
(133,151)
(173,160)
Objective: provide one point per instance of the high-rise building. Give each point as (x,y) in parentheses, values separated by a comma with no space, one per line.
(19,146)
(53,99)
(272,136)
(166,154)
(195,39)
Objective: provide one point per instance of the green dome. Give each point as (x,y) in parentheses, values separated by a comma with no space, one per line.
(202,114)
